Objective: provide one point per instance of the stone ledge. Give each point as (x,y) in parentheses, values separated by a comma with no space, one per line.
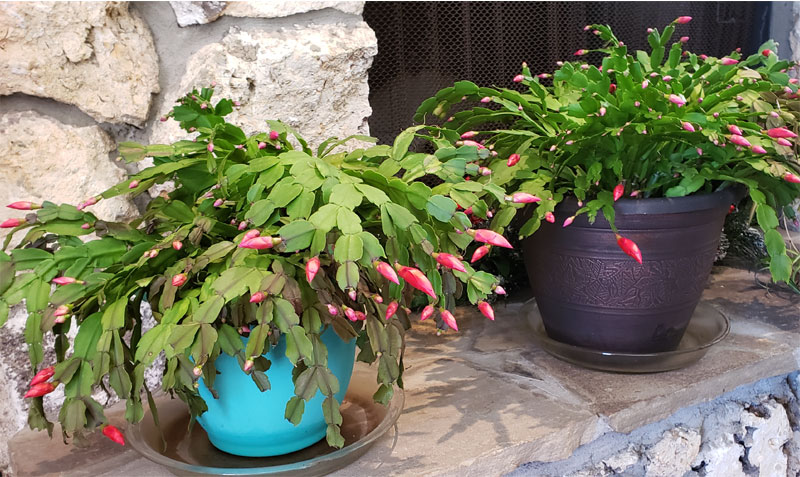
(487,400)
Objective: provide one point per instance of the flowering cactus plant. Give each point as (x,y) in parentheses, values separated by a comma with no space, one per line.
(637,125)
(257,239)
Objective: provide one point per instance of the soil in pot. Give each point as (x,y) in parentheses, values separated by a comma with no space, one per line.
(247,422)
(591,294)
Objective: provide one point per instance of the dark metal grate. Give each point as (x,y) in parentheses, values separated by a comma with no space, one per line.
(426,46)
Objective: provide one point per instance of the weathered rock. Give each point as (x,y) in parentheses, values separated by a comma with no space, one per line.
(674,453)
(313,78)
(97,56)
(44,159)
(769,432)
(199,13)
(14,375)
(720,453)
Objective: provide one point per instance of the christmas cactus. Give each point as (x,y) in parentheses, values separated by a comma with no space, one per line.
(636,125)
(260,237)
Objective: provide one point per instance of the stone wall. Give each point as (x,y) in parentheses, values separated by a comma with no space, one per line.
(78,78)
(745,433)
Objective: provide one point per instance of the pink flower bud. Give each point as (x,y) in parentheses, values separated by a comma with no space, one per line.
(86,226)
(386,270)
(219,202)
(569,143)
(449,261)
(739,98)
(766,52)
(629,247)
(716,115)
(587,28)
(332,310)
(242,225)
(11,223)
(469,134)
(637,103)
(88,202)
(513,159)
(377,298)
(611,88)
(618,191)
(650,30)
(758,150)
(667,78)
(684,39)
(543,75)
(484,171)
(134,184)
(499,290)
(40,389)
(552,148)
(62,310)
(739,140)
(602,111)
(645,84)
(163,119)
(312,267)
(522,198)
(258,243)
(568,221)
(548,216)
(789,177)
(426,313)
(64,280)
(486,99)
(352,294)
(43,375)
(360,315)
(23,205)
(416,279)
(519,78)
(699,151)
(683,20)
(449,319)
(486,310)
(734,129)
(678,100)
(257,297)
(780,133)
(489,236)
(687,126)
(728,61)
(391,309)
(273,135)
(634,193)
(479,253)
(251,234)
(350,313)
(262,145)
(784,142)
(203,106)
(248,365)
(210,147)
(178,280)
(584,67)
(580,52)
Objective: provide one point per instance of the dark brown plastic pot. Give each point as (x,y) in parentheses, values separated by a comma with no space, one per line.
(592,294)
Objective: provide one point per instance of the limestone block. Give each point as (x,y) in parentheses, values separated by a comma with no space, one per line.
(674,453)
(98,56)
(14,376)
(313,78)
(199,13)
(770,433)
(44,159)
(720,453)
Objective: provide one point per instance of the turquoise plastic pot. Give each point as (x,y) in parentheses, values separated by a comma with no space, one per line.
(247,422)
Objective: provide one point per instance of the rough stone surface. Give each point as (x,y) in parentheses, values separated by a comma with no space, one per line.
(768,431)
(674,453)
(43,159)
(199,13)
(317,83)
(97,56)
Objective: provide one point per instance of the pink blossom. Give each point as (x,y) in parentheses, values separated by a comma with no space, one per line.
(257,297)
(789,177)
(783,142)
(513,159)
(729,61)
(734,129)
(486,309)
(676,99)
(522,198)
(426,313)
(386,270)
(739,140)
(332,310)
(580,52)
(684,39)
(479,253)
(449,261)
(273,135)
(758,150)
(548,216)
(416,279)
(179,279)
(312,267)
(11,223)
(486,99)
(64,280)
(489,236)
(568,221)
(683,20)
(449,319)
(780,133)
(518,78)
(391,309)
(469,134)
(23,205)
(687,126)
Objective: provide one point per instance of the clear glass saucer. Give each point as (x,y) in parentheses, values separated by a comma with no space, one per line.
(191,453)
(707,327)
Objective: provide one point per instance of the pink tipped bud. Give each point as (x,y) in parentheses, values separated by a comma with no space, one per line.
(449,261)
(783,142)
(519,78)
(312,267)
(728,61)
(133,185)
(469,134)
(522,198)
(62,310)
(386,270)
(273,135)
(486,99)
(687,126)
(416,279)
(23,205)
(699,151)
(242,225)
(677,100)
(650,30)
(257,297)
(484,171)
(637,103)
(248,365)
(758,150)
(391,309)
(479,253)
(789,177)
(548,216)
(580,52)
(449,319)
(360,316)
(332,310)
(568,221)
(219,202)
(152,253)
(486,310)
(683,20)
(43,375)
(734,129)
(684,39)
(739,140)
(352,294)
(377,298)
(251,234)
(618,191)
(179,279)
(766,52)
(64,280)
(780,133)
(86,226)
(468,142)
(114,434)
(716,115)
(426,313)
(645,84)
(350,313)
(262,145)
(257,243)
(40,389)
(629,246)
(793,80)
(587,28)
(601,111)
(513,159)
(489,236)
(210,147)
(499,290)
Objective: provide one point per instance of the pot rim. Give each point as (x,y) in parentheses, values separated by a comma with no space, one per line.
(671,205)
